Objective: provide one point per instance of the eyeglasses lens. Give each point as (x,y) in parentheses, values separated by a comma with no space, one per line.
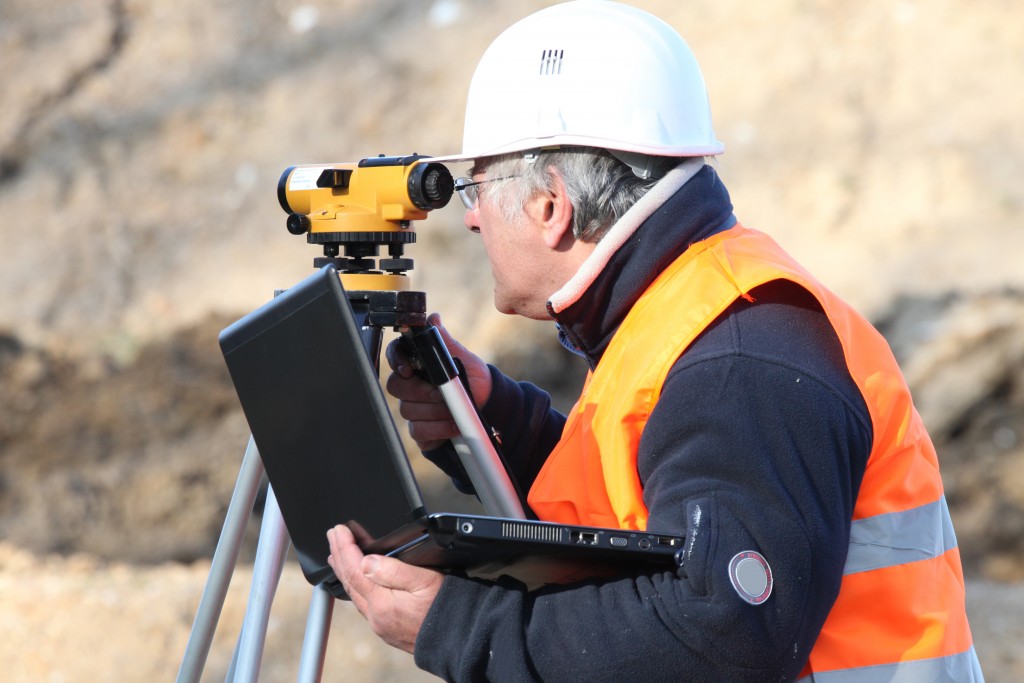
(467,192)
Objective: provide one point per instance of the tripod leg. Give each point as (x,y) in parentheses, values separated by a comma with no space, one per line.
(314,645)
(482,463)
(266,574)
(223,565)
(484,467)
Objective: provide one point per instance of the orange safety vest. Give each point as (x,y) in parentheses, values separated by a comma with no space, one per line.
(900,609)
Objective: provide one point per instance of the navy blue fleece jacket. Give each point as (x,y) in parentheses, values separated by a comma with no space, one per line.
(758,442)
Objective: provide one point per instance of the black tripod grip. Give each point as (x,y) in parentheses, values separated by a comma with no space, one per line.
(428,355)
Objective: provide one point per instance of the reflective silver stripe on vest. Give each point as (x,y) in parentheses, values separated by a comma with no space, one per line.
(895,538)
(961,668)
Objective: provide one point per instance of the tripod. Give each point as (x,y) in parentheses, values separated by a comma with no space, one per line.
(373,310)
(356,208)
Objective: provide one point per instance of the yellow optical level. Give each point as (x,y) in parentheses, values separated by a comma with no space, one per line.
(358,207)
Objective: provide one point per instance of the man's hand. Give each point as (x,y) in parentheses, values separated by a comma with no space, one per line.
(392,595)
(419,402)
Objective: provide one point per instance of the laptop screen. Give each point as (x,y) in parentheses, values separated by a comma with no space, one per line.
(320,420)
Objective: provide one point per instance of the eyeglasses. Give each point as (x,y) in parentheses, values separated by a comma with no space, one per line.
(468,192)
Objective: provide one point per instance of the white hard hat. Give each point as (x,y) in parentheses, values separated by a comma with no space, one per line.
(593,73)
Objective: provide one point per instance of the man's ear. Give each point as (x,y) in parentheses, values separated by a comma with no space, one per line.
(551,211)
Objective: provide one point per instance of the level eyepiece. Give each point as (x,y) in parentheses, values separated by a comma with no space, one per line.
(431,186)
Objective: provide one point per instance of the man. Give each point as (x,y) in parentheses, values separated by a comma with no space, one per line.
(731,397)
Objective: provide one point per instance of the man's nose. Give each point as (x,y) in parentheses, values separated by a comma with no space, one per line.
(471,220)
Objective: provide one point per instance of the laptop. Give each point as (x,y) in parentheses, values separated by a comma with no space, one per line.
(333,455)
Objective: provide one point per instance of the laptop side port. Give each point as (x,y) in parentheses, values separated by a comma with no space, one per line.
(583,537)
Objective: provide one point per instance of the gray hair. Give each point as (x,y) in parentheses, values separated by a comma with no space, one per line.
(601,188)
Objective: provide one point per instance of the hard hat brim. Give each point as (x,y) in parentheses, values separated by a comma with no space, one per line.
(713,149)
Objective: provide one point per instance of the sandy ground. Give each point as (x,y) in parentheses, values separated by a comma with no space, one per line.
(73,620)
(77,620)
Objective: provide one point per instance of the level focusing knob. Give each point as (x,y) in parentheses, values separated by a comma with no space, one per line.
(298,223)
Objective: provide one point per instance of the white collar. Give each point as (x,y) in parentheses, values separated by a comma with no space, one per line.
(623,229)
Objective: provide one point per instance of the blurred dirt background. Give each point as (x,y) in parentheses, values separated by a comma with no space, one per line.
(140,146)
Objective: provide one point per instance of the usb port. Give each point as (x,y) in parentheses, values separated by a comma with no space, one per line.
(583,537)
(666,541)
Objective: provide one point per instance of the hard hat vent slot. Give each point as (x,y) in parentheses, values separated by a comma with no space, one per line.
(551,62)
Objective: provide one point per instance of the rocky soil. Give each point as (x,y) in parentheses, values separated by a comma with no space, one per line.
(140,147)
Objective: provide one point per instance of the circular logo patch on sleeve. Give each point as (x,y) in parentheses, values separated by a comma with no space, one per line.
(751,576)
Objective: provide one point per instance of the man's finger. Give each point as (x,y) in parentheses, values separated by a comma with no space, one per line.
(398,360)
(411,410)
(387,572)
(430,436)
(338,537)
(346,558)
(410,388)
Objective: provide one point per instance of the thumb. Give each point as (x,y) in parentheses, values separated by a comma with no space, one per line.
(435,320)
(450,342)
(477,372)
(393,574)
